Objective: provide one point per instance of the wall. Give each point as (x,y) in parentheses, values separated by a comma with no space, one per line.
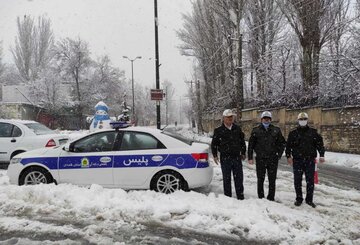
(340,127)
(18,111)
(26,111)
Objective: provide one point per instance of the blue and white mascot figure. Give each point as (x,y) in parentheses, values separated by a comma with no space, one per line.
(101,119)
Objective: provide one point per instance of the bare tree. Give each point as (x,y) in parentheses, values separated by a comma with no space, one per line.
(106,83)
(145,106)
(313,23)
(2,65)
(169,102)
(212,34)
(32,46)
(23,50)
(43,43)
(332,61)
(201,40)
(238,9)
(73,57)
(231,14)
(264,21)
(49,91)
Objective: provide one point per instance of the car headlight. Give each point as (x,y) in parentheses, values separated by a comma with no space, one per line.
(15,160)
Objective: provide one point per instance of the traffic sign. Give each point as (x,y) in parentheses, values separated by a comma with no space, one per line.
(157,94)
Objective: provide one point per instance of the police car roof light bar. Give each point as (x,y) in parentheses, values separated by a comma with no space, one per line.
(117,125)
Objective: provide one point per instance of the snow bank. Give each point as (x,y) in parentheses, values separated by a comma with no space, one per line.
(343,159)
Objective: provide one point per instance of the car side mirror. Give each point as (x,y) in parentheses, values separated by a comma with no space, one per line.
(66,147)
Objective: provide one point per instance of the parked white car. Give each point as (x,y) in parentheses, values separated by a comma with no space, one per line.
(17,136)
(129,158)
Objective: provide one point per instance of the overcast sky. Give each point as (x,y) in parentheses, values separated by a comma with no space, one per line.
(115,28)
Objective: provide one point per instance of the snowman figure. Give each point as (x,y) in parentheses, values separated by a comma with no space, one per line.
(101,119)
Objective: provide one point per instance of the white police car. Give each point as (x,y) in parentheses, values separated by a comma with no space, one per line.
(129,158)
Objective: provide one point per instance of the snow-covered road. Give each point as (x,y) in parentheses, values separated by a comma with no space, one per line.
(76,215)
(68,214)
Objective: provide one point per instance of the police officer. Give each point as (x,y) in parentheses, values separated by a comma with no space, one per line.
(228,139)
(301,147)
(268,143)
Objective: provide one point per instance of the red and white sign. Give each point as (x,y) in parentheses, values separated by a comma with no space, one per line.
(157,94)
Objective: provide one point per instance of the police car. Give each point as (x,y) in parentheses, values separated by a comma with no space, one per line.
(129,158)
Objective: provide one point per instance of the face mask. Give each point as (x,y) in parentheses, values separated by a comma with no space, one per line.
(303,123)
(266,124)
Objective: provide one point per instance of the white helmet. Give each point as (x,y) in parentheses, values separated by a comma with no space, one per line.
(302,115)
(228,113)
(266,114)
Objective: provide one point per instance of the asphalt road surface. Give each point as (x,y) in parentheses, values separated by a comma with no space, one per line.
(331,175)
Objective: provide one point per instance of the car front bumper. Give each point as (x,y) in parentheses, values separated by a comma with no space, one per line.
(13,172)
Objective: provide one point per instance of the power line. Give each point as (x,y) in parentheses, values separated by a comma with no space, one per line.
(249,30)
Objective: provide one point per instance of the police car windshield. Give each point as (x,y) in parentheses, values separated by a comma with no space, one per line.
(178,137)
(39,129)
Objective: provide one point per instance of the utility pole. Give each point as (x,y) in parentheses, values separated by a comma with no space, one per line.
(240,82)
(167,104)
(180,111)
(134,120)
(200,129)
(158,120)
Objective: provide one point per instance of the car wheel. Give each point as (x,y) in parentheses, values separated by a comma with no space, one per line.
(35,176)
(167,182)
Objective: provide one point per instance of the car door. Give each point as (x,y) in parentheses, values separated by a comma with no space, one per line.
(10,137)
(89,160)
(139,156)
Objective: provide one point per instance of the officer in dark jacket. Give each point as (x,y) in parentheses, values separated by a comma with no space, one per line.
(268,143)
(228,139)
(301,147)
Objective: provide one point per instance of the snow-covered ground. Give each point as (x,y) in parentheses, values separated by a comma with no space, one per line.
(98,215)
(336,220)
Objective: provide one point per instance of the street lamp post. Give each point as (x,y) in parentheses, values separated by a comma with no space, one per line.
(132,84)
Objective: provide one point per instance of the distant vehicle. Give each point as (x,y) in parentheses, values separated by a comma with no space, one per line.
(129,158)
(17,136)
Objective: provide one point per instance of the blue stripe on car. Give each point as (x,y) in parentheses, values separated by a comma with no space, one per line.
(180,161)
(203,165)
(50,162)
